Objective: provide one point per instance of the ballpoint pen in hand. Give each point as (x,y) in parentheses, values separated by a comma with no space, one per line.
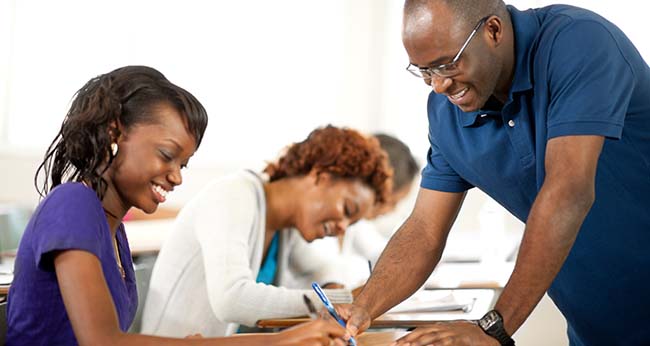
(330,309)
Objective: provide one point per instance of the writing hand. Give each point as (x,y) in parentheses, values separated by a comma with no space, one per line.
(318,332)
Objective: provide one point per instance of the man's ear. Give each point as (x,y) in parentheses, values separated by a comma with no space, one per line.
(494,29)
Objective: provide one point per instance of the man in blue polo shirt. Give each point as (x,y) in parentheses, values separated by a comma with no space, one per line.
(548,112)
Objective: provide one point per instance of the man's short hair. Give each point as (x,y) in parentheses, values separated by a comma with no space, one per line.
(468,11)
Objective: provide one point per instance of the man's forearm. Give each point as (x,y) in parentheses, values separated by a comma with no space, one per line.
(551,229)
(407,261)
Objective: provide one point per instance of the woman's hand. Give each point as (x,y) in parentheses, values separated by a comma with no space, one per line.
(318,332)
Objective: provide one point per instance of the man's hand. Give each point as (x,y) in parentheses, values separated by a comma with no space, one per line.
(456,333)
(357,317)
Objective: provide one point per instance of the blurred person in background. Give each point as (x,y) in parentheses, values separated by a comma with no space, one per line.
(351,255)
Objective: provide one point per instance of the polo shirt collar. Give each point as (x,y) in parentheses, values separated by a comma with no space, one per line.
(469,119)
(526,27)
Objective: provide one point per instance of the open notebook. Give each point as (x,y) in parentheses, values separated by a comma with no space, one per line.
(435,300)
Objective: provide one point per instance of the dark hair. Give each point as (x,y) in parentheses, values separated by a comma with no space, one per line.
(342,152)
(126,96)
(405,168)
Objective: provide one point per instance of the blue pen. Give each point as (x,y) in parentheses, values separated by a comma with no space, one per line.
(328,305)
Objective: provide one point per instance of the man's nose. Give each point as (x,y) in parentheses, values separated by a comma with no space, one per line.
(439,84)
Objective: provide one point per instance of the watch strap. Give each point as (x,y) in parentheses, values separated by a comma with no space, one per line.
(498,331)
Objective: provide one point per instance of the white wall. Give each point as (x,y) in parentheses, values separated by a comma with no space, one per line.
(267,72)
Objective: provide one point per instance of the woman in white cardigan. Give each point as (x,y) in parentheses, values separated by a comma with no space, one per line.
(228,255)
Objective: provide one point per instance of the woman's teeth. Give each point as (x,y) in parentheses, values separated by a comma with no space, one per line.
(162,192)
(328,232)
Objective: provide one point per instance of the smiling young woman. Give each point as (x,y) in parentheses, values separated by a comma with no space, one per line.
(234,244)
(122,144)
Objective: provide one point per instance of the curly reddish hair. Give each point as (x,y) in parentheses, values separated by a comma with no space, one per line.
(342,152)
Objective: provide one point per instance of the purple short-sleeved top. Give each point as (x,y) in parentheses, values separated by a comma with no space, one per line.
(70,217)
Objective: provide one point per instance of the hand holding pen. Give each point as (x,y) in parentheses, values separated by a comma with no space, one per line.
(330,308)
(323,318)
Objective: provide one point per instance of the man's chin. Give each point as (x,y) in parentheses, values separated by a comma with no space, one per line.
(473,105)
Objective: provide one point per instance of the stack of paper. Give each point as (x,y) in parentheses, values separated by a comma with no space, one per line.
(434,300)
(339,296)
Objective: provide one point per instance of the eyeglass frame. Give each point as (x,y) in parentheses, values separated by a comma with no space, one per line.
(428,72)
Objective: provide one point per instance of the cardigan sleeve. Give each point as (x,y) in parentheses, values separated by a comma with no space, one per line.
(229,226)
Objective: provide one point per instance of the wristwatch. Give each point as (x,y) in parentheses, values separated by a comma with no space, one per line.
(492,325)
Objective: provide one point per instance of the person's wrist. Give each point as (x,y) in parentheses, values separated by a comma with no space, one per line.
(362,308)
(491,341)
(493,325)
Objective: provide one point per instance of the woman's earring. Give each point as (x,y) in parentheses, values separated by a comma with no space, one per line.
(114,149)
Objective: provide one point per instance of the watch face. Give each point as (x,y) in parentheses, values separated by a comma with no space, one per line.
(489,320)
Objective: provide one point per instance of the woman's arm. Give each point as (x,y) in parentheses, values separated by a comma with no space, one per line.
(228,223)
(94,320)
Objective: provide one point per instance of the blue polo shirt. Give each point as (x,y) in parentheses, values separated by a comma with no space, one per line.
(575,74)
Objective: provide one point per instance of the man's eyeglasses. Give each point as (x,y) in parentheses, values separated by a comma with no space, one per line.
(449,69)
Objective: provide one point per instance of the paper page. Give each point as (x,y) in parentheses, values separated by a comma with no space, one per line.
(434,300)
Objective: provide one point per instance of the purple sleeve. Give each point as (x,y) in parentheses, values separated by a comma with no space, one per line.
(70,217)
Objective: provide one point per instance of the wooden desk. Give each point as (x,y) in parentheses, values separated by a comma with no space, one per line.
(484,302)
(365,339)
(378,338)
(470,275)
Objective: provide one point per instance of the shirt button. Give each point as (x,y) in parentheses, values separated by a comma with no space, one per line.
(511,123)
